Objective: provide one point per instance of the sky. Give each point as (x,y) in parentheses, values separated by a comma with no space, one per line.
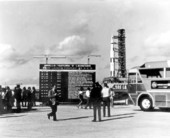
(81,28)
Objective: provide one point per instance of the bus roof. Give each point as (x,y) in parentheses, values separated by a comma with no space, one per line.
(156,64)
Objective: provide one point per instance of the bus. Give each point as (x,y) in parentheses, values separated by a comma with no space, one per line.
(149,85)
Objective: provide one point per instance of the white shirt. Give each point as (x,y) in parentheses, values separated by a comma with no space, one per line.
(88,93)
(3,95)
(80,92)
(105,92)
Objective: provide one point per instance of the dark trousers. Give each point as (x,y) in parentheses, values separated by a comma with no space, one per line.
(97,108)
(106,103)
(53,113)
(81,101)
(88,103)
(29,106)
(18,105)
(9,106)
(24,101)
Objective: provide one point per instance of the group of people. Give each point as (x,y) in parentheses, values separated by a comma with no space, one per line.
(84,96)
(23,97)
(94,97)
(101,95)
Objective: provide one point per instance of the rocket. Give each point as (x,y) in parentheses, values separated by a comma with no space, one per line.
(117,55)
(112,71)
(113,57)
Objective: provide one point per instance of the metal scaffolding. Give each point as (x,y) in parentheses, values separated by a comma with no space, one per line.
(121,58)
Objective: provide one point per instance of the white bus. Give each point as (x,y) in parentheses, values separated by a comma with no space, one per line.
(149,85)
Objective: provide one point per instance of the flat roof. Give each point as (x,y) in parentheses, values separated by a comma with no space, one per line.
(156,64)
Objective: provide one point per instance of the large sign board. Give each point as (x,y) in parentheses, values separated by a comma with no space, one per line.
(67,77)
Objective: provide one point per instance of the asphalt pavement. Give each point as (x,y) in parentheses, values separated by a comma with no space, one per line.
(126,121)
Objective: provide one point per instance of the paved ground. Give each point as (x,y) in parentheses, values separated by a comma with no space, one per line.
(125,122)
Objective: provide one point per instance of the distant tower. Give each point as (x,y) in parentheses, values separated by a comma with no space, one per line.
(122,53)
(111,58)
(118,55)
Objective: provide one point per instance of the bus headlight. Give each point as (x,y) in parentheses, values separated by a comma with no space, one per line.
(154,84)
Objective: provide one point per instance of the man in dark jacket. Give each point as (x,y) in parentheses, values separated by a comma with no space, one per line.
(29,98)
(17,95)
(8,98)
(96,98)
(54,96)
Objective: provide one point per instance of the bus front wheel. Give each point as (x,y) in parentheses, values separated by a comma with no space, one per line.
(146,104)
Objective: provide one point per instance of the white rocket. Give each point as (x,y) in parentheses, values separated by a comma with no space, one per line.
(112,58)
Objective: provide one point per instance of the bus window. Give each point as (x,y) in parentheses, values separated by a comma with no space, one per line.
(132,77)
(167,72)
(151,73)
(138,79)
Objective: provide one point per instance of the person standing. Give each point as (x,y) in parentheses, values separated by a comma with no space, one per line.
(17,96)
(24,97)
(4,103)
(106,99)
(54,99)
(80,96)
(96,99)
(8,97)
(112,94)
(88,98)
(33,96)
(29,98)
(1,104)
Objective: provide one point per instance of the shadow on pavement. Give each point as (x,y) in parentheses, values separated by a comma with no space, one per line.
(117,118)
(116,107)
(42,110)
(23,110)
(11,116)
(167,110)
(15,111)
(74,118)
(123,114)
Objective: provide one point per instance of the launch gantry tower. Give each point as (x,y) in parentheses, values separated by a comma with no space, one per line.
(118,55)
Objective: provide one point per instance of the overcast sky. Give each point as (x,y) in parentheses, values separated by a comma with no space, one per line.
(74,27)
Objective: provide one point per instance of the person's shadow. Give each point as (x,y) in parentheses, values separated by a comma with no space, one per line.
(166,110)
(122,116)
(73,118)
(11,116)
(116,118)
(23,110)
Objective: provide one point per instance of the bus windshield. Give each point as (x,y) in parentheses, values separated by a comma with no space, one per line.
(134,78)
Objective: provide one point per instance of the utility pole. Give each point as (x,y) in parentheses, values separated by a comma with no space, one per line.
(49,56)
(88,57)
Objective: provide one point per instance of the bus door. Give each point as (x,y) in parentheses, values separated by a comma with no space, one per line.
(135,85)
(132,87)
